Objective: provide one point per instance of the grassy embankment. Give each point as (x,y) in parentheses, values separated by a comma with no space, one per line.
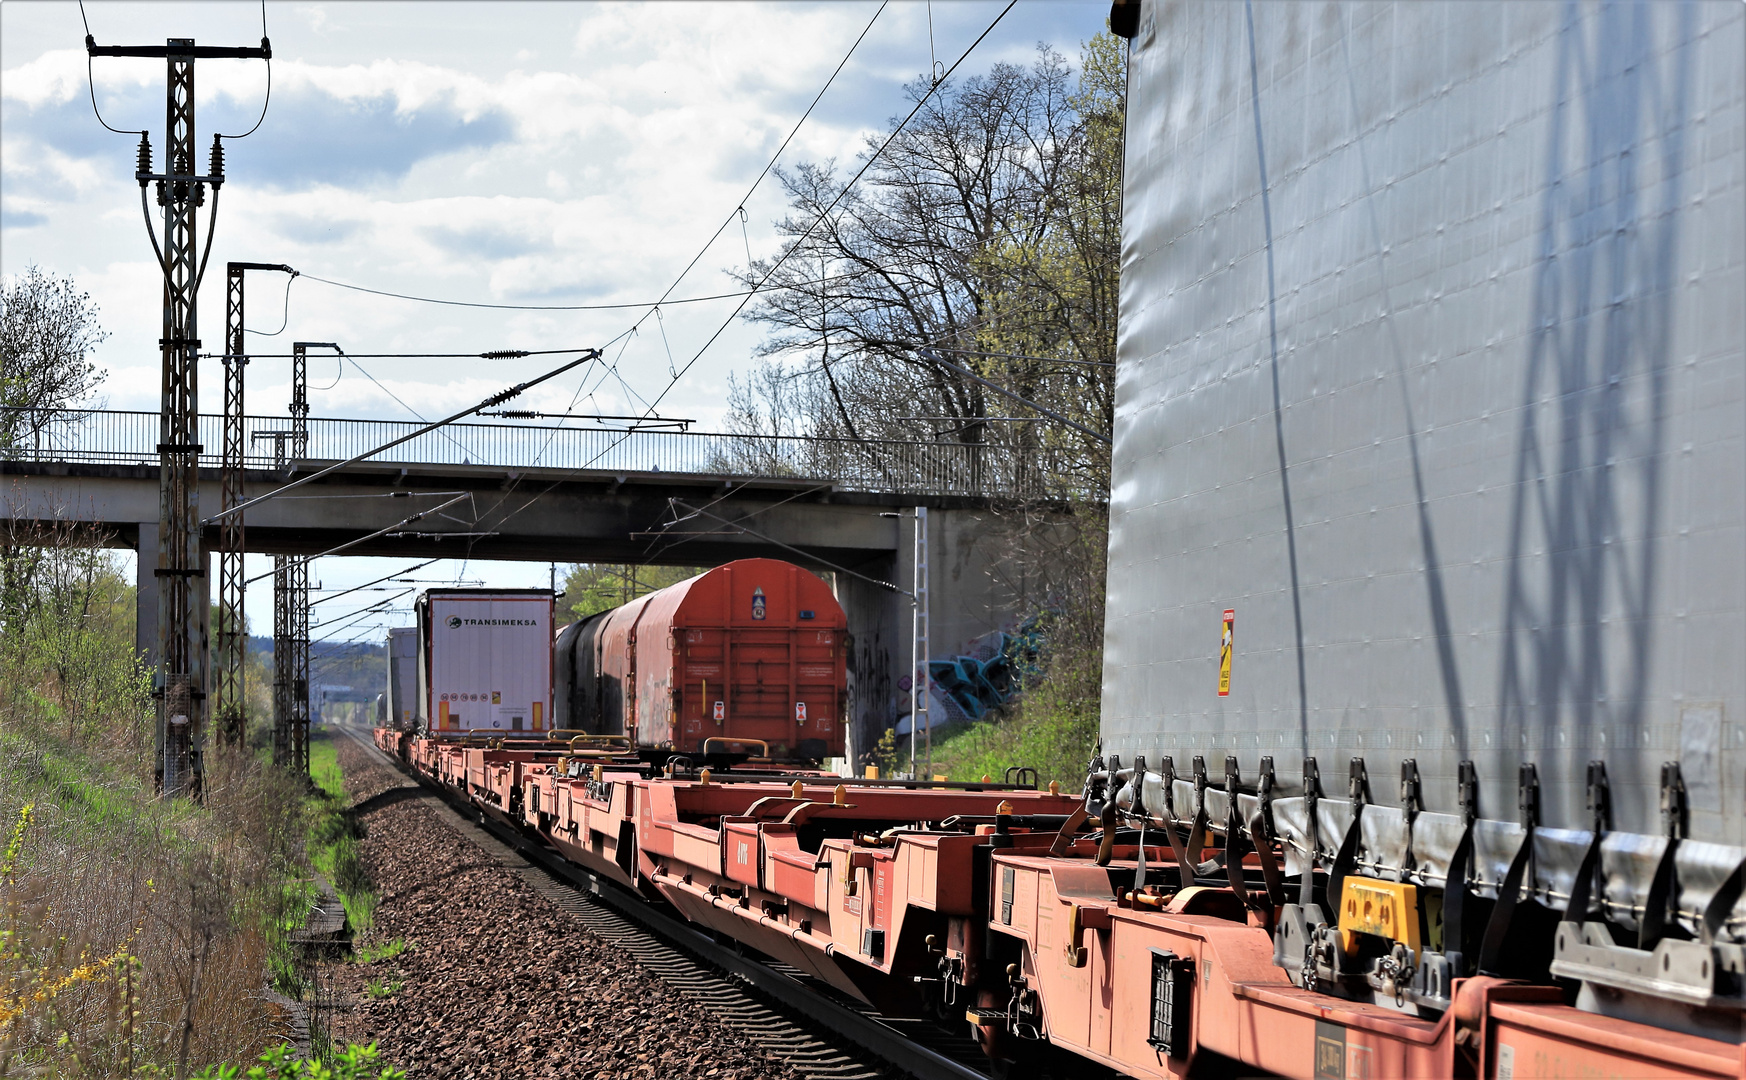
(137,934)
(333,834)
(1050,729)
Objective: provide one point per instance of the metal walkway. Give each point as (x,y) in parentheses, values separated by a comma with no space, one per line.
(867,465)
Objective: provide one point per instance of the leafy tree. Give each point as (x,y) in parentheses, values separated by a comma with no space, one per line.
(48,330)
(590,588)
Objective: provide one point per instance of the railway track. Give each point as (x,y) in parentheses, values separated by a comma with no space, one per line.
(816,1033)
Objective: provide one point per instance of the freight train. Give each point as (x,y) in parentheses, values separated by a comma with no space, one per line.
(1422,733)
(748,657)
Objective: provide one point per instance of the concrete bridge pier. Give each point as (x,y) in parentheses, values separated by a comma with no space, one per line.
(145,628)
(972,593)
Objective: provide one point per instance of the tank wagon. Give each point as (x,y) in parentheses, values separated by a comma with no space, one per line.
(1424,730)
(750,657)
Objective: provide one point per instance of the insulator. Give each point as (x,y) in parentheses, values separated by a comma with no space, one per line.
(503,354)
(144,168)
(216,171)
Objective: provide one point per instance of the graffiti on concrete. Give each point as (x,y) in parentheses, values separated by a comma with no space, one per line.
(990,672)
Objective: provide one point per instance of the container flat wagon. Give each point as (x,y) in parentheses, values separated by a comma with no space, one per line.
(1424,718)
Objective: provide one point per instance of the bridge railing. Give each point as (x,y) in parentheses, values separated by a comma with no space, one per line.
(892,467)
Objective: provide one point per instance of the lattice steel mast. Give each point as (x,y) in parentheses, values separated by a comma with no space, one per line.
(180,684)
(232,627)
(291,593)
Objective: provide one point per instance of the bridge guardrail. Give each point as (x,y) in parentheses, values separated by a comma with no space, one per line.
(882,466)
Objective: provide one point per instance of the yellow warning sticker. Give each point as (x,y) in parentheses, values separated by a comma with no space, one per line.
(1225,654)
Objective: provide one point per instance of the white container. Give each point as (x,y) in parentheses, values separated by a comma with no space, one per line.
(486,661)
(403,711)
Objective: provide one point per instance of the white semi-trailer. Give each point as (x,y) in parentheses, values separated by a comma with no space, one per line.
(403,711)
(485,661)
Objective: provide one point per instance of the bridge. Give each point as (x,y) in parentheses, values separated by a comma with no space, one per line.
(526,492)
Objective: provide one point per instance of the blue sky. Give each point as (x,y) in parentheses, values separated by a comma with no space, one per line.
(508,153)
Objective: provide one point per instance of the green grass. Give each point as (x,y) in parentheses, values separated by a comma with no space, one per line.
(381,950)
(334,834)
(92,798)
(1050,729)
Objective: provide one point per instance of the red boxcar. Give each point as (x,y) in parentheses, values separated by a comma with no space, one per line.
(750,653)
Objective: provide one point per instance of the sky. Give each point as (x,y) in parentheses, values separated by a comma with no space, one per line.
(544,153)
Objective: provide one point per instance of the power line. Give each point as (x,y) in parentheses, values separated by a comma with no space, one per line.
(359,540)
(495,399)
(522,307)
(367,584)
(373,608)
(783,257)
(1022,356)
(868,164)
(738,212)
(929,354)
(492,354)
(268,100)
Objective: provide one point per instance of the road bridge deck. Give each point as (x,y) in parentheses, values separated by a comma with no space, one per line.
(571,495)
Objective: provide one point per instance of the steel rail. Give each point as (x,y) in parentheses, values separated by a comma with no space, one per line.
(889,1044)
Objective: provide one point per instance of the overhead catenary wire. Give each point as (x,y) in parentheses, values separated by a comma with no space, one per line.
(696,512)
(373,608)
(786,253)
(625,306)
(361,539)
(931,355)
(268,100)
(1022,356)
(492,354)
(91,79)
(738,212)
(495,399)
(825,214)
(367,584)
(284,315)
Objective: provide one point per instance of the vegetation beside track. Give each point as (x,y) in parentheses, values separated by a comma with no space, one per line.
(1052,729)
(137,934)
(333,834)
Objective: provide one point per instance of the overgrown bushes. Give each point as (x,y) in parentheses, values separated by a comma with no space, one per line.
(137,931)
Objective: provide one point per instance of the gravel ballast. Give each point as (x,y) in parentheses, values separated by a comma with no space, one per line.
(498,981)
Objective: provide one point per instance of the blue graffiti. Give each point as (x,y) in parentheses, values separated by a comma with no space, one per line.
(977,685)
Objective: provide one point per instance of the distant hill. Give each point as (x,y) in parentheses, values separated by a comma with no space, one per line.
(358,664)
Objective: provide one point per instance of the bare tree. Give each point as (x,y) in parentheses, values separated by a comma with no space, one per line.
(989,225)
(48,330)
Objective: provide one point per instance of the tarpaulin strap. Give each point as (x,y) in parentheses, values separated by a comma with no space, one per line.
(1069,829)
(1196,842)
(1576,909)
(1270,872)
(1656,903)
(1509,894)
(1344,862)
(1106,845)
(1306,890)
(1721,905)
(1455,897)
(1234,862)
(1184,868)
